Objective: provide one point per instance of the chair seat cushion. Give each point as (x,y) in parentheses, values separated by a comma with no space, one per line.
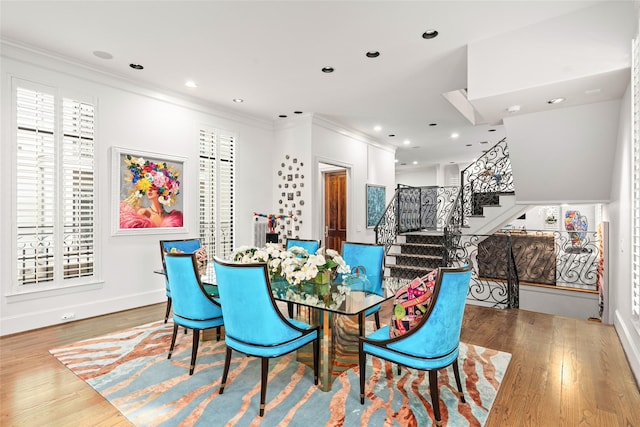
(411,303)
(272,350)
(198,323)
(396,353)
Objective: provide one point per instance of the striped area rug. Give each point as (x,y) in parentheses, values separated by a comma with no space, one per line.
(131,370)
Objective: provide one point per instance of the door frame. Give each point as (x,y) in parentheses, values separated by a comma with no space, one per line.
(319,211)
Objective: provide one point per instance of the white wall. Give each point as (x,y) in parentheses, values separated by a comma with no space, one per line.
(569,159)
(499,65)
(366,163)
(420,177)
(618,213)
(139,119)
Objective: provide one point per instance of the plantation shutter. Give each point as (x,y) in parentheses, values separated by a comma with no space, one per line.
(54,178)
(78,188)
(226,189)
(635,197)
(217,192)
(35,186)
(208,184)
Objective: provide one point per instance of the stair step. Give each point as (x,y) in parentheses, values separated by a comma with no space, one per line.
(423,256)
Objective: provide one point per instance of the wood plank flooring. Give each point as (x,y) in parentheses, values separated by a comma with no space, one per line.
(563,372)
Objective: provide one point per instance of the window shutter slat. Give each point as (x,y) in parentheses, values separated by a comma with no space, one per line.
(54,172)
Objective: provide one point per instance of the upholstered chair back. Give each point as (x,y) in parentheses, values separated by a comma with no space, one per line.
(438,335)
(190,301)
(310,246)
(249,310)
(369,256)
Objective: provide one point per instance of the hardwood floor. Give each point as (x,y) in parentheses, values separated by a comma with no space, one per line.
(563,372)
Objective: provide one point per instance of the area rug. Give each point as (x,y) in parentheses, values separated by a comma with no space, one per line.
(131,370)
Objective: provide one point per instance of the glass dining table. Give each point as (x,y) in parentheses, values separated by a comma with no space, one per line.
(338,308)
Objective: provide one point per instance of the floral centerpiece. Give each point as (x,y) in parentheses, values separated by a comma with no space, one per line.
(296,264)
(310,277)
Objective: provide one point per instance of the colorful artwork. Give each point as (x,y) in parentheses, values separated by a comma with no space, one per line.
(149,191)
(576,225)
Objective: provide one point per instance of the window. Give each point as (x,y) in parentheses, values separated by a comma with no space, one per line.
(55,188)
(635,187)
(217,169)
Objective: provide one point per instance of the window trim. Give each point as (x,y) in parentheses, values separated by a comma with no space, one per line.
(15,291)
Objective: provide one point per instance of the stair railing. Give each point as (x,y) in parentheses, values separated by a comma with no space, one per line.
(484,180)
(417,208)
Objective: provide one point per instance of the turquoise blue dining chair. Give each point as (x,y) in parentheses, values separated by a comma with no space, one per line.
(371,257)
(192,307)
(253,323)
(433,343)
(187,246)
(309,245)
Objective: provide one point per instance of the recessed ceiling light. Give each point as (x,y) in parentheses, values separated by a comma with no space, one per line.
(238,100)
(373,54)
(484,142)
(136,66)
(433,124)
(328,70)
(415,162)
(102,54)
(513,109)
(491,130)
(555,101)
(454,135)
(377,128)
(430,34)
(392,135)
(190,83)
(283,116)
(297,112)
(469,145)
(406,142)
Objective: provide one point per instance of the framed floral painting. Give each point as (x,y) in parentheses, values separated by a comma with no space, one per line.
(376,204)
(148,193)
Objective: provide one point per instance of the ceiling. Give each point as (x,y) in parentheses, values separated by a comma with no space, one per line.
(271,55)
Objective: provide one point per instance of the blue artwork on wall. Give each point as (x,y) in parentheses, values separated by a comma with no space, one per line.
(376,204)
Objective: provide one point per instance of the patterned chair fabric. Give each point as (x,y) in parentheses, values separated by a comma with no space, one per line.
(433,343)
(371,257)
(253,323)
(192,307)
(186,246)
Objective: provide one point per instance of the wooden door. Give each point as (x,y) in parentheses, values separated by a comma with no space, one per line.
(335,209)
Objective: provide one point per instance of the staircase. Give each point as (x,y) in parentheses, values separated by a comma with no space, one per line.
(414,254)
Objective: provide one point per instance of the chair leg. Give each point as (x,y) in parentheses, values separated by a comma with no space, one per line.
(166,315)
(376,316)
(263,385)
(316,359)
(173,339)
(218,333)
(456,373)
(399,368)
(362,358)
(290,309)
(435,398)
(194,350)
(225,372)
